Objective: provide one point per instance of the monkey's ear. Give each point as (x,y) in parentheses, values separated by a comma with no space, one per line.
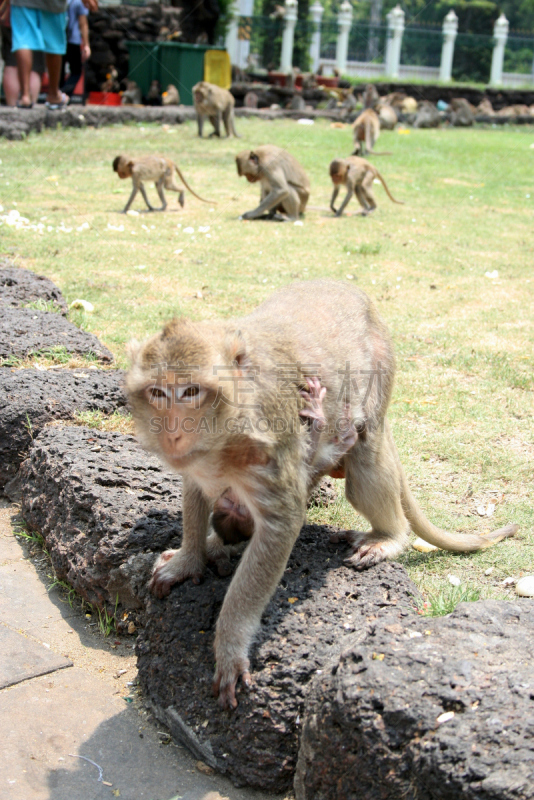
(130,165)
(235,349)
(116,163)
(133,348)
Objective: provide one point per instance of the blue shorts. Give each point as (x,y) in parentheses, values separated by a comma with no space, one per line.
(33,29)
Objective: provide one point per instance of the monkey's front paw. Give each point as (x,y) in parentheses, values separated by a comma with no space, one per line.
(227,674)
(173,566)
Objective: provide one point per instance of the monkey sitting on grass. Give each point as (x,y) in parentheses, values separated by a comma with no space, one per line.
(152,168)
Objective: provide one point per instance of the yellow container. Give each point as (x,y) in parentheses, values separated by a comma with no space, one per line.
(217,68)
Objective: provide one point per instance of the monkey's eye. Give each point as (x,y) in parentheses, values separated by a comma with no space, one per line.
(156,395)
(191,394)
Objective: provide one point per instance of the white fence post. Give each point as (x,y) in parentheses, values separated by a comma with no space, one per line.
(315,45)
(344,21)
(290,20)
(395,20)
(450,29)
(230,41)
(500,33)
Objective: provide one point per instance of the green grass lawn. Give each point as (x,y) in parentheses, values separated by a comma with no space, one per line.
(463,401)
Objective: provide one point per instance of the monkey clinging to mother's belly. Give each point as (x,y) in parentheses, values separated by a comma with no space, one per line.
(223,403)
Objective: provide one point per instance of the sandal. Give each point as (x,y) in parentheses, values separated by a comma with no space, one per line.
(24,106)
(61,106)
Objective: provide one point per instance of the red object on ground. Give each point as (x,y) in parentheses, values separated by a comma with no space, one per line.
(277,78)
(104,99)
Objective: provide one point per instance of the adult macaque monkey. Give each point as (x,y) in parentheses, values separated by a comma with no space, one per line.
(284,184)
(357,175)
(366,130)
(217,104)
(152,168)
(219,404)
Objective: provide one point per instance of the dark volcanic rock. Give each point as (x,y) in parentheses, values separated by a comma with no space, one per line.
(30,398)
(316,608)
(374,728)
(18,287)
(103,505)
(24,331)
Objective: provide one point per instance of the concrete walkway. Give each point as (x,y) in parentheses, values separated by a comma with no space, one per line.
(68,698)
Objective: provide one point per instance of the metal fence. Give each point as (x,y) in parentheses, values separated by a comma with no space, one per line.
(519,54)
(421,46)
(472,57)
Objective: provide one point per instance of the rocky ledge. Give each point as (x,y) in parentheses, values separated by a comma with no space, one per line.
(19,287)
(430,709)
(25,331)
(30,398)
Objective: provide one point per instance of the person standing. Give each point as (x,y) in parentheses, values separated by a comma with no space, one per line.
(40,25)
(78,48)
(10,80)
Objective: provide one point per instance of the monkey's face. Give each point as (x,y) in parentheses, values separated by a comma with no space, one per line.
(338,172)
(123,166)
(247,164)
(172,388)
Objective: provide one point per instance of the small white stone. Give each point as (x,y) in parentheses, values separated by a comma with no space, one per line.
(489,571)
(298,222)
(421,545)
(525,586)
(189,230)
(492,275)
(454,580)
(83,304)
(508,581)
(445,717)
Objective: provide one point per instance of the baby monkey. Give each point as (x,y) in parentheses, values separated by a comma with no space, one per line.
(357,174)
(152,168)
(232,521)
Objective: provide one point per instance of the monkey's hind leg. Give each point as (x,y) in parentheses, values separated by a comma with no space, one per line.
(291,204)
(159,187)
(373,487)
(367,190)
(215,120)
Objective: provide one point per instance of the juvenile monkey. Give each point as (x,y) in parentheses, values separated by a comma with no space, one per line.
(357,175)
(366,130)
(387,117)
(226,416)
(217,104)
(151,168)
(284,184)
(171,97)
(131,95)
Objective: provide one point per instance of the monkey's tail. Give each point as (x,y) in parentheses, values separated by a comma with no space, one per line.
(454,543)
(213,202)
(384,184)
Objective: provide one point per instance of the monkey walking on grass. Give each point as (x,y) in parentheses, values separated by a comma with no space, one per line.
(217,105)
(221,403)
(357,175)
(152,168)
